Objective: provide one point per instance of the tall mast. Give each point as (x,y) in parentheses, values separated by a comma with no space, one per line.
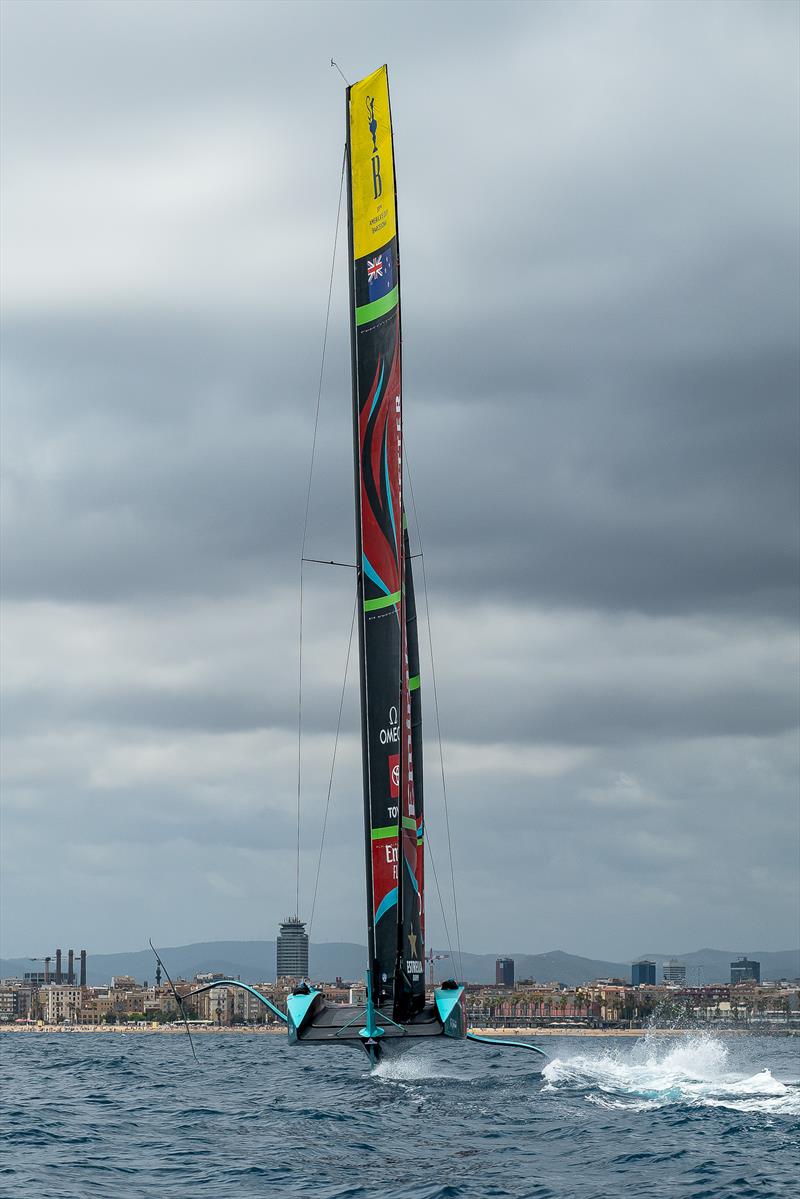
(362,674)
(378,457)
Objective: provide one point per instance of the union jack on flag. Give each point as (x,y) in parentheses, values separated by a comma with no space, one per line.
(374,268)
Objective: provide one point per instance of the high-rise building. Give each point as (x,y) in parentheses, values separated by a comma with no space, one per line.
(504,972)
(744,971)
(675,972)
(292,949)
(643,972)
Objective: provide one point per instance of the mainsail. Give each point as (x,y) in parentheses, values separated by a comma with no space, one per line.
(394,871)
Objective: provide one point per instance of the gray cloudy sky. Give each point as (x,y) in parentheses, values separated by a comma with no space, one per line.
(598,207)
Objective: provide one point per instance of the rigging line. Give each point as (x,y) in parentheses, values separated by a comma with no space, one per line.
(333,764)
(429,850)
(436,710)
(305,530)
(178,998)
(334,63)
(299,743)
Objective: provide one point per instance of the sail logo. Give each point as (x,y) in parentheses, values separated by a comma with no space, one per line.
(380,275)
(377,182)
(394,776)
(391,735)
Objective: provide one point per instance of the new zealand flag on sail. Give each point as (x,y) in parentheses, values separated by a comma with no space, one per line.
(380,274)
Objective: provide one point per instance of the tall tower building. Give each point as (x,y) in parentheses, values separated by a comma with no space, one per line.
(675,972)
(504,972)
(745,970)
(292,949)
(643,971)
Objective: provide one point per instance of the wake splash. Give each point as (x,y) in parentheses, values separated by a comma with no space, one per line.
(414,1065)
(693,1071)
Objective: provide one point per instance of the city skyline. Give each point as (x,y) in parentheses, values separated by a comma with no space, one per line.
(261,959)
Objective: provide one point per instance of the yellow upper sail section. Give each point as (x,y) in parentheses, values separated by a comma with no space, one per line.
(372,164)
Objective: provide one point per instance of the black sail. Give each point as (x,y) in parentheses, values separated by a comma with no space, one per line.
(412,890)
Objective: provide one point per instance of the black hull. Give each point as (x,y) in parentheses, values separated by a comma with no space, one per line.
(314,1021)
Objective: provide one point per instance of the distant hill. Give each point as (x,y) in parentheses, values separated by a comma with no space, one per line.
(254,961)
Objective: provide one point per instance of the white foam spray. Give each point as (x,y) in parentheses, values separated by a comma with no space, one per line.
(692,1070)
(414,1065)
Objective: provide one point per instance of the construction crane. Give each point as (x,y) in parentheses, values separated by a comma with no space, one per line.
(432,957)
(47,962)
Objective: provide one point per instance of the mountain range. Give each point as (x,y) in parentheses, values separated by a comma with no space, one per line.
(254,961)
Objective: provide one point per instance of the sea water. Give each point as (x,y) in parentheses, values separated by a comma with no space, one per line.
(110,1114)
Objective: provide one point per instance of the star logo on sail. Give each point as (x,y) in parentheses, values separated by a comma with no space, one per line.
(412,944)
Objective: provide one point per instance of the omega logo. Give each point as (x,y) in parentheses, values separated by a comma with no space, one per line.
(391,735)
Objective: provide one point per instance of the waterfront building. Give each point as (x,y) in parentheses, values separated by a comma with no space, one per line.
(253,1011)
(123,982)
(60,1003)
(675,972)
(292,949)
(504,972)
(744,971)
(643,972)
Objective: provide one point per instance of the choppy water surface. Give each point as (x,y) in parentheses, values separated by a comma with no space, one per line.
(132,1115)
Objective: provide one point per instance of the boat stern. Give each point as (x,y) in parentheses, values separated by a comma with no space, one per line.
(451,1008)
(301,1006)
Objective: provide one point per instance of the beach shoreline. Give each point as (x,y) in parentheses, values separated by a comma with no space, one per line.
(280,1029)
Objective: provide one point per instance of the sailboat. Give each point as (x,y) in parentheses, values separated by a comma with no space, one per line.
(389,670)
(397,1010)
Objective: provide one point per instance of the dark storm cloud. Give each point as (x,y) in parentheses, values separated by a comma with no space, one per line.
(598,210)
(186,469)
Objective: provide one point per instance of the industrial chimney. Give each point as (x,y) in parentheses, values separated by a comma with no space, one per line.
(58,965)
(71,968)
(83,967)
(47,970)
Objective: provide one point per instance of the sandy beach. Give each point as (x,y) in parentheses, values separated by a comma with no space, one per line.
(279,1029)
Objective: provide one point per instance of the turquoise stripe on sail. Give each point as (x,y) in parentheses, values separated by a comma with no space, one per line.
(389,901)
(372,573)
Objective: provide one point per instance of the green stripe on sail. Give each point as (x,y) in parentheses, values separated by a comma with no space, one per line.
(413,683)
(392,830)
(379,833)
(383,601)
(371,312)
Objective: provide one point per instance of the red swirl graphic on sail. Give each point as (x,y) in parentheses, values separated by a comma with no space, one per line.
(381,474)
